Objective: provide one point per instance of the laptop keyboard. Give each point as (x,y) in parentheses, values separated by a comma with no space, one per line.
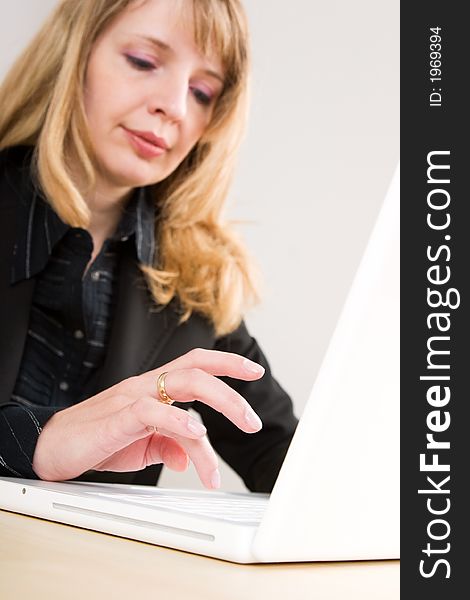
(241,508)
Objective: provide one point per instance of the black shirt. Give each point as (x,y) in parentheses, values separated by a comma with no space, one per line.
(71,313)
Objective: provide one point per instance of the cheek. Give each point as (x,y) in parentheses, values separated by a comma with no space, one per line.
(196,129)
(106,100)
(94,105)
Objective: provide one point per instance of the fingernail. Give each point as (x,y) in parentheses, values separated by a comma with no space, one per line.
(252,367)
(196,427)
(252,419)
(215,479)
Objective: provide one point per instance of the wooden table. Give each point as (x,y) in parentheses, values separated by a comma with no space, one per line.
(44,560)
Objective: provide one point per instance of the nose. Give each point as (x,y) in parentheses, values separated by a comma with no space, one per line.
(170,99)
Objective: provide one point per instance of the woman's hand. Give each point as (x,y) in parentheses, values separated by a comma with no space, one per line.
(114,430)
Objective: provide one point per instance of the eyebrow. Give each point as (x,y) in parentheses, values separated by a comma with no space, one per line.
(169,50)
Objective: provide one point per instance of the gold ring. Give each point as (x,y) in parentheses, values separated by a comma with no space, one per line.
(162,395)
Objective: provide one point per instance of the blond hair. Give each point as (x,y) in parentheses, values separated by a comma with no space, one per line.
(200,261)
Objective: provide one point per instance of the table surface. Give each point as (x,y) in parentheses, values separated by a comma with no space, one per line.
(41,559)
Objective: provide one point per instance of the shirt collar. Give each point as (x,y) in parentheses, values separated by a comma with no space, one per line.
(39,228)
(138,219)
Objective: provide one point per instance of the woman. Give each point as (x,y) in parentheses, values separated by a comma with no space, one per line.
(121,292)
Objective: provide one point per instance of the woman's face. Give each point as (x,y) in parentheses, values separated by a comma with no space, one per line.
(149,94)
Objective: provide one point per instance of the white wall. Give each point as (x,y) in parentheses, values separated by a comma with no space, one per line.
(320,151)
(19,21)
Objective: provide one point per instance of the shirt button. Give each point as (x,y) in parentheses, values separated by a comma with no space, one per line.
(95,276)
(124,238)
(64,386)
(78,334)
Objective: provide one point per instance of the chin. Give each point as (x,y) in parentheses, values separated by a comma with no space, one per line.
(131,173)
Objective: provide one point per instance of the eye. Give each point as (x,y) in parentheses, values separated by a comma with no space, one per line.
(139,63)
(201,97)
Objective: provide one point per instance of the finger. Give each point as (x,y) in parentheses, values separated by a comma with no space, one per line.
(169,451)
(216,363)
(107,436)
(153,449)
(187,385)
(129,424)
(204,459)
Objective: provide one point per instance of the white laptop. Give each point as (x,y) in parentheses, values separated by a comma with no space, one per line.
(337,495)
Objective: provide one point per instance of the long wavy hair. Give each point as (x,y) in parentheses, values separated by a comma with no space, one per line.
(200,262)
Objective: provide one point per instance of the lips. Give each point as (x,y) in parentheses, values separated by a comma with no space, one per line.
(150,137)
(146,144)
